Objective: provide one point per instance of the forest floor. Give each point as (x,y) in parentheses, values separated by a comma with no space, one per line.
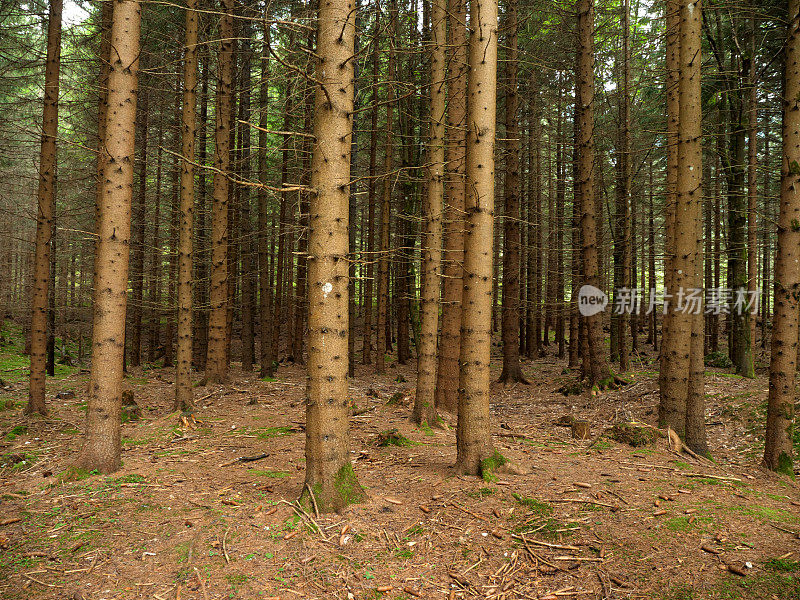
(182,520)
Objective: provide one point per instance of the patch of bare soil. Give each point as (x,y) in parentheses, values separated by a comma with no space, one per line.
(187,519)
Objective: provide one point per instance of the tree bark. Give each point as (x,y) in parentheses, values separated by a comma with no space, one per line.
(780,405)
(101,448)
(388,184)
(264,227)
(330,479)
(512,371)
(46,201)
(369,293)
(183,372)
(216,363)
(473,434)
(598,366)
(137,248)
(424,401)
(453,219)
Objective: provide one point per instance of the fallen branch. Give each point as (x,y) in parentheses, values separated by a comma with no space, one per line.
(40,582)
(579,501)
(545,544)
(242,459)
(707,476)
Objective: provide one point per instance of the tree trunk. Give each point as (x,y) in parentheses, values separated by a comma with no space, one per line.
(101,449)
(137,248)
(216,364)
(155,265)
(690,187)
(780,407)
(369,293)
(330,479)
(388,184)
(46,211)
(473,435)
(265,287)
(201,253)
(512,372)
(245,225)
(183,372)
(453,222)
(598,367)
(424,401)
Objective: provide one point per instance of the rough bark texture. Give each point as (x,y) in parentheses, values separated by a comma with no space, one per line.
(329,473)
(453,223)
(596,360)
(216,363)
(424,402)
(265,289)
(690,185)
(101,448)
(137,247)
(512,371)
(675,340)
(473,436)
(183,379)
(388,183)
(780,407)
(369,293)
(46,201)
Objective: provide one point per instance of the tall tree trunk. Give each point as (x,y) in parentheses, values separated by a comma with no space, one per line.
(598,366)
(216,363)
(780,406)
(453,222)
(424,401)
(690,199)
(265,285)
(473,435)
(534,282)
(46,199)
(183,372)
(201,253)
(156,261)
(672,403)
(137,248)
(101,448)
(369,293)
(245,224)
(330,480)
(512,372)
(388,184)
(752,184)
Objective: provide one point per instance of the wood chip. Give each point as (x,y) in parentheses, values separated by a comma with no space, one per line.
(391,500)
(409,590)
(581,484)
(658,513)
(424,508)
(11,520)
(384,588)
(710,549)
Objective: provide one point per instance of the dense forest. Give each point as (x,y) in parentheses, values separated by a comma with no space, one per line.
(506,294)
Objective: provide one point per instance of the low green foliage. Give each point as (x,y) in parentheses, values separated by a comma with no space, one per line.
(392,437)
(273,432)
(718,359)
(782,565)
(271,474)
(490,464)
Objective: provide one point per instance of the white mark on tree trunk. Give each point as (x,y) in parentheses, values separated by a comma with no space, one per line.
(327,287)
